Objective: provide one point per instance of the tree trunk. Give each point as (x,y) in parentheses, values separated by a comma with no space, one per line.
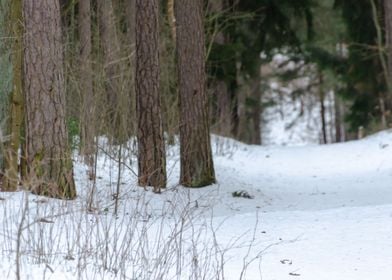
(15,120)
(322,110)
(224,109)
(219,87)
(249,110)
(151,148)
(48,155)
(256,112)
(197,168)
(388,34)
(111,53)
(339,134)
(130,8)
(130,15)
(241,95)
(86,84)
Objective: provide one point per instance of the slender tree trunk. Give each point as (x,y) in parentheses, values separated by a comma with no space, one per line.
(48,156)
(381,101)
(15,121)
(249,111)
(130,11)
(388,35)
(241,95)
(86,84)
(151,147)
(338,119)
(386,100)
(219,87)
(130,15)
(224,117)
(111,52)
(197,168)
(385,61)
(256,112)
(322,109)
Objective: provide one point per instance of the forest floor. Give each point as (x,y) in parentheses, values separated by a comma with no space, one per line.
(276,213)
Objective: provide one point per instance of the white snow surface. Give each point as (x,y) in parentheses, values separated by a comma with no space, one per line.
(317,212)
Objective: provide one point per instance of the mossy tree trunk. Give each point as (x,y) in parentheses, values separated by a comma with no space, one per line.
(50,170)
(15,118)
(197,168)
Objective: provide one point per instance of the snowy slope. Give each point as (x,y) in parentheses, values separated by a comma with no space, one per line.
(317,212)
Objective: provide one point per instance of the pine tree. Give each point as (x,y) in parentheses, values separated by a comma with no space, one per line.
(151,147)
(197,168)
(50,170)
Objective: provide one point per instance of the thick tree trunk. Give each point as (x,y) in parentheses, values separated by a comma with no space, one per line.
(15,120)
(151,146)
(197,167)
(86,84)
(48,155)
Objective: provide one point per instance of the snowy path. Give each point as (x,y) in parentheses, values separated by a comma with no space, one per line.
(328,209)
(312,178)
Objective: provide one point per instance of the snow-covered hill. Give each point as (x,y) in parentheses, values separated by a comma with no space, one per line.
(315,212)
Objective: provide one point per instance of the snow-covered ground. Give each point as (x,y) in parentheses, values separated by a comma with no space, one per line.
(315,212)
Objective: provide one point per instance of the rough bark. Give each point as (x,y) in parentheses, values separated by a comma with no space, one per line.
(151,148)
(197,167)
(15,119)
(49,161)
(86,83)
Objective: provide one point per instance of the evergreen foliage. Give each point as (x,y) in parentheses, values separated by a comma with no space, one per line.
(363,76)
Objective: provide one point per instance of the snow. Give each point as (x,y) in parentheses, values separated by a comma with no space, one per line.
(317,212)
